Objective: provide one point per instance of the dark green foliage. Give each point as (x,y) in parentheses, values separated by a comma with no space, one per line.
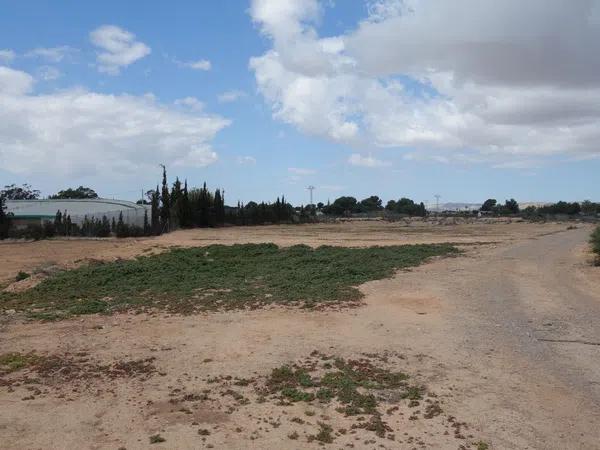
(595,241)
(4,219)
(157,439)
(511,206)
(590,208)
(406,206)
(226,277)
(561,208)
(22,276)
(78,193)
(372,203)
(165,198)
(24,192)
(155,212)
(95,227)
(488,205)
(342,206)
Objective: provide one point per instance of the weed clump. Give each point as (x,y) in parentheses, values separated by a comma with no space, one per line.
(22,276)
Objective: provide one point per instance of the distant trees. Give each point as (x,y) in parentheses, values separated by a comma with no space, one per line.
(349,205)
(4,219)
(491,205)
(23,192)
(560,208)
(341,206)
(406,206)
(369,204)
(78,193)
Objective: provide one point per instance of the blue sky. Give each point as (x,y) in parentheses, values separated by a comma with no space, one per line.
(298,115)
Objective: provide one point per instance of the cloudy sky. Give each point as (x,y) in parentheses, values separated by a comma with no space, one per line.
(469,99)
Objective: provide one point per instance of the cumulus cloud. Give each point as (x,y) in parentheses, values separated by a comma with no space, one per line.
(76,132)
(200,64)
(7,56)
(366,161)
(231,96)
(490,80)
(118,48)
(48,73)
(51,54)
(190,102)
(301,172)
(246,160)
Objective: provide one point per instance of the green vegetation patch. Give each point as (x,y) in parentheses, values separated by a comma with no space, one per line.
(11,362)
(352,383)
(186,280)
(595,241)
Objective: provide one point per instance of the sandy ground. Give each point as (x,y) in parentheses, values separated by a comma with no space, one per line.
(504,336)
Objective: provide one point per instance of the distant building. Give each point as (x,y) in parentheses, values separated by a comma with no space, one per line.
(27,212)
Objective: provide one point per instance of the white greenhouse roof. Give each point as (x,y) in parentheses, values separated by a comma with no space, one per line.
(74,207)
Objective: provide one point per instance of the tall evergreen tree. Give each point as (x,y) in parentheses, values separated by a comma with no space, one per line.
(165,211)
(155,212)
(4,219)
(186,208)
(219,206)
(204,207)
(146,223)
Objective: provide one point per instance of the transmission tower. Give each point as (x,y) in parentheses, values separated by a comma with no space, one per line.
(311,188)
(437,202)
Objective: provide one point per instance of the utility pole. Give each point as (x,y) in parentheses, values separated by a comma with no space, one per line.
(437,202)
(311,188)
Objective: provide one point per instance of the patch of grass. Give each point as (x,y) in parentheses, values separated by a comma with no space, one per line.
(482,446)
(324,435)
(157,439)
(11,362)
(22,276)
(186,280)
(595,241)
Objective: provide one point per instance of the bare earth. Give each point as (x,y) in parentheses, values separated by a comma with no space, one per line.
(505,336)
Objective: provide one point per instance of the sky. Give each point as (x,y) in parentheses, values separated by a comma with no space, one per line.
(468,99)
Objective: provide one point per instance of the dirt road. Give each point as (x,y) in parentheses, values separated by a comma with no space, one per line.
(523,321)
(505,335)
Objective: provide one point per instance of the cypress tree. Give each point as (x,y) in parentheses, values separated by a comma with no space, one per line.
(4,220)
(219,208)
(165,212)
(58,225)
(121,231)
(146,224)
(68,225)
(186,207)
(155,212)
(105,227)
(204,207)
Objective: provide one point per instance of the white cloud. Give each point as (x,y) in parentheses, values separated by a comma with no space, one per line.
(190,102)
(48,73)
(14,82)
(301,172)
(366,161)
(51,54)
(119,48)
(7,56)
(202,64)
(77,132)
(477,80)
(231,96)
(246,160)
